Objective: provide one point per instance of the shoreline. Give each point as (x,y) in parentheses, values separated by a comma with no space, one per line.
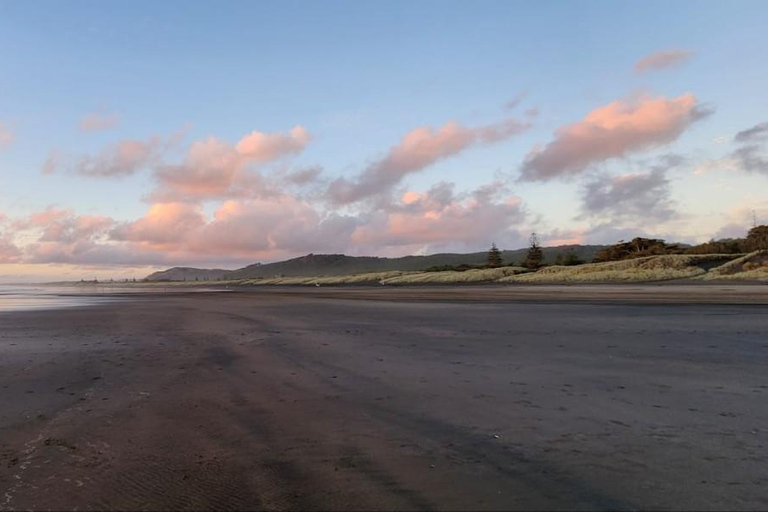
(624,293)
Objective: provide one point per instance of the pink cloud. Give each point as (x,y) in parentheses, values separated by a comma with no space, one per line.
(9,252)
(99,121)
(164,226)
(63,226)
(246,230)
(124,158)
(264,147)
(216,169)
(662,60)
(56,235)
(557,238)
(417,150)
(242,229)
(437,219)
(613,131)
(6,136)
(210,169)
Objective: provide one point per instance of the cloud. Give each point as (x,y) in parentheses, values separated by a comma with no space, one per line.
(165,225)
(210,169)
(59,235)
(757,132)
(304,176)
(752,159)
(214,168)
(9,252)
(417,150)
(613,131)
(639,197)
(559,237)
(515,101)
(665,59)
(63,225)
(245,230)
(6,136)
(264,147)
(99,121)
(441,220)
(739,218)
(750,155)
(124,158)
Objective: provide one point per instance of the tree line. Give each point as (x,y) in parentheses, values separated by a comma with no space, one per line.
(755,240)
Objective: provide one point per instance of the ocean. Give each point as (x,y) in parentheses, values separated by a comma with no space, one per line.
(35,297)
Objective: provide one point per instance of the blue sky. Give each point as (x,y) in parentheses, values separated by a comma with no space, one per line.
(359,77)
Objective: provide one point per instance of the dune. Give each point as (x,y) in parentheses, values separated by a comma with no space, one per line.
(360,279)
(750,267)
(647,269)
(485,275)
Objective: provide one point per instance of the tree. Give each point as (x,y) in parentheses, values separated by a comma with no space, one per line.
(494,256)
(637,248)
(757,238)
(571,258)
(535,255)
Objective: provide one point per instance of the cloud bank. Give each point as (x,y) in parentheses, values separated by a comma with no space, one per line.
(417,150)
(613,131)
(213,168)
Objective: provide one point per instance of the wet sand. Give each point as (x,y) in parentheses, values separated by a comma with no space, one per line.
(350,399)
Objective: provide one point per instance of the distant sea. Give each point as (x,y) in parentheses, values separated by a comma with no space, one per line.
(29,297)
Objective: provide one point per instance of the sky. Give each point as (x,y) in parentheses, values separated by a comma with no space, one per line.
(140,135)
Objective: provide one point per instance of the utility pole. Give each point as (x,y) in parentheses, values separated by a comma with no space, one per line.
(754,219)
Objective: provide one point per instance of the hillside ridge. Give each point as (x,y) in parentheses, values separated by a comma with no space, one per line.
(341,264)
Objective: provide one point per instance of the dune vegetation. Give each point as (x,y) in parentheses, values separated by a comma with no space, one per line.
(653,268)
(647,269)
(484,275)
(360,279)
(750,267)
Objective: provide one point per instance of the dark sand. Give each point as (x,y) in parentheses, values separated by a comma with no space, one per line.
(308,399)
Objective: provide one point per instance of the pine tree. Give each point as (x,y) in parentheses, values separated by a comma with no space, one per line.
(494,256)
(535,256)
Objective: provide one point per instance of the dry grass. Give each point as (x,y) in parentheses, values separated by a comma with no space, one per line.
(368,278)
(486,275)
(750,267)
(753,266)
(651,268)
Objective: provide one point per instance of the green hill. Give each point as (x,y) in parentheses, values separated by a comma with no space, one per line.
(340,264)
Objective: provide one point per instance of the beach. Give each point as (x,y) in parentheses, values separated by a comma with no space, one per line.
(442,398)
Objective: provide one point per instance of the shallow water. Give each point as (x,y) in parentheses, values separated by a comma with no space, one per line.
(35,297)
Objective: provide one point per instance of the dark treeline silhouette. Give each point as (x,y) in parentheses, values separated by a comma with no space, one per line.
(756,239)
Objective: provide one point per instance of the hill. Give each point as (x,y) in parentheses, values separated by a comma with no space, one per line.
(340,264)
(188,274)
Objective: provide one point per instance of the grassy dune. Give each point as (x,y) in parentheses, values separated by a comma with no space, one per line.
(751,267)
(368,278)
(486,275)
(651,268)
